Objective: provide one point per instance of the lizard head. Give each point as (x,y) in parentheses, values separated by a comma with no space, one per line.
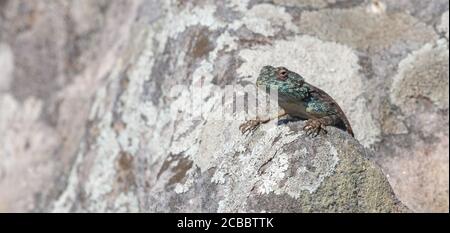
(278,77)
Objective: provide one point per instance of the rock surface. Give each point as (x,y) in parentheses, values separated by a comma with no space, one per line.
(127,70)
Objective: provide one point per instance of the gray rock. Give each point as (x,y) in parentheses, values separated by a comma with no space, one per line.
(53,55)
(280,170)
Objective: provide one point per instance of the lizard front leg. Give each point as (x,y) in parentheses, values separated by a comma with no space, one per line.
(314,126)
(253,124)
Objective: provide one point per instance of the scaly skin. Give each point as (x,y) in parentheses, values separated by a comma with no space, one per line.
(298,98)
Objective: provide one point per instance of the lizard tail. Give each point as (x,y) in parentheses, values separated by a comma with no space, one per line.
(348,127)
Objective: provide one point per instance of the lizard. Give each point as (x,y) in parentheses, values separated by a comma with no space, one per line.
(299,99)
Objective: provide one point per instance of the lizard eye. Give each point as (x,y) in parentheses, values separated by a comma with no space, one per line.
(282,74)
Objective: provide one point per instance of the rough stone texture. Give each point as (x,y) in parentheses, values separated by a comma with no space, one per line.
(55,54)
(423,74)
(420,89)
(443,26)
(126,69)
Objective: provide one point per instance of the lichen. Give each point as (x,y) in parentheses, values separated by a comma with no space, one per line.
(320,164)
(422,74)
(363,30)
(266,20)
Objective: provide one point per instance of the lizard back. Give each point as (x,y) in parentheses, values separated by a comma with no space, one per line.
(319,93)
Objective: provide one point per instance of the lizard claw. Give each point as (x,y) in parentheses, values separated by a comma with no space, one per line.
(249,126)
(313,127)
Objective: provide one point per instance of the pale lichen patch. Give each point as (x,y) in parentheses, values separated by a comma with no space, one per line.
(203,16)
(321,164)
(100,181)
(27,145)
(363,29)
(240,5)
(126,203)
(250,169)
(423,74)
(266,20)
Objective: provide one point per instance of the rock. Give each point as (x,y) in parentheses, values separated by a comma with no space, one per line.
(53,56)
(278,170)
(420,91)
(275,169)
(366,30)
(443,26)
(151,131)
(423,74)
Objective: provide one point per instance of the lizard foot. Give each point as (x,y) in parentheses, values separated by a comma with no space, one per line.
(313,127)
(249,126)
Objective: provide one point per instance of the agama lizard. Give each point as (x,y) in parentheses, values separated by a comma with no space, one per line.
(299,99)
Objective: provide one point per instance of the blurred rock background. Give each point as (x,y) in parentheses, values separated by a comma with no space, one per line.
(85,121)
